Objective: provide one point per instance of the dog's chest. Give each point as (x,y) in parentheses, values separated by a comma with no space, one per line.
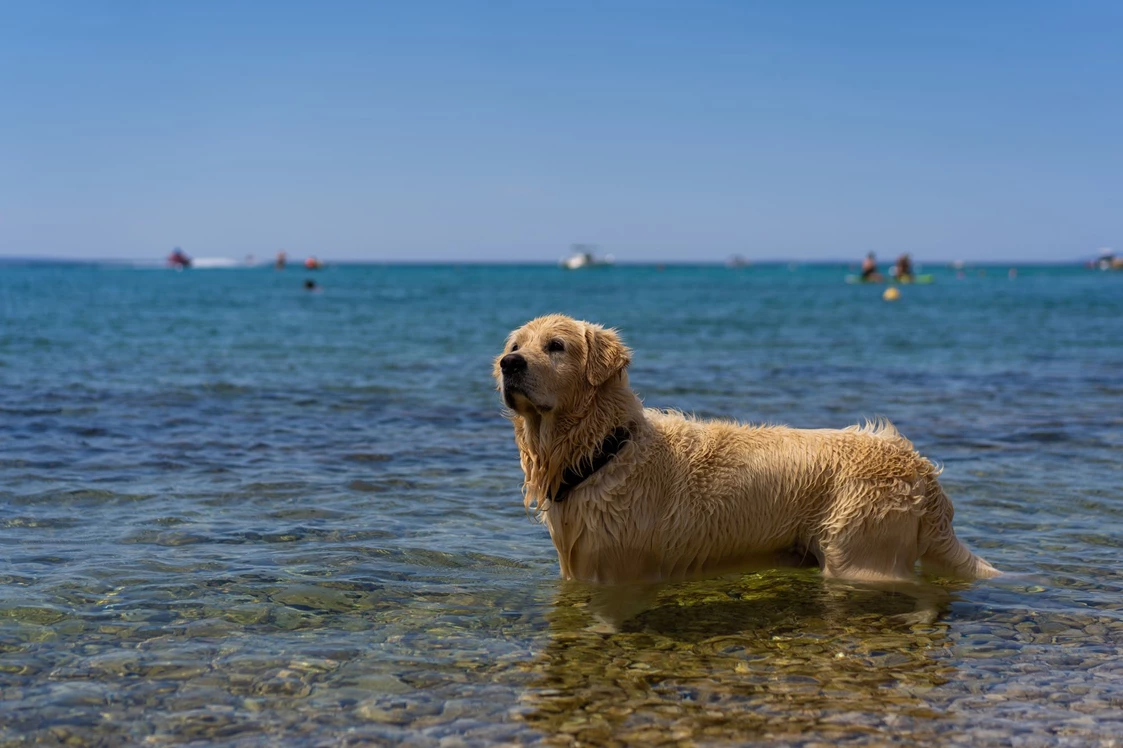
(602,541)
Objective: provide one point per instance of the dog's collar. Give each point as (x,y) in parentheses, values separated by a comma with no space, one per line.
(582,471)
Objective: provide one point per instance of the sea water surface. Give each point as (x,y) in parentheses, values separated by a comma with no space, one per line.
(234,512)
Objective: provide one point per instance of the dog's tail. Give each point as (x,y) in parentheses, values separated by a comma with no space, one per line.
(941,551)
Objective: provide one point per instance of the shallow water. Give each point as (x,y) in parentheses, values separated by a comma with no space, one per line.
(235,512)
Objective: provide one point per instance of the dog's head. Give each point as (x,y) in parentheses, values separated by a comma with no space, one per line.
(552,363)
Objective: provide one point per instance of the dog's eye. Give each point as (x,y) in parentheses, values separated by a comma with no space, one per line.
(514,347)
(554,346)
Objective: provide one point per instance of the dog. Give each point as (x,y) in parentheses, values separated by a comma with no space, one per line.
(635,495)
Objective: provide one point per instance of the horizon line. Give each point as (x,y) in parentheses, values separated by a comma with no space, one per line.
(298,264)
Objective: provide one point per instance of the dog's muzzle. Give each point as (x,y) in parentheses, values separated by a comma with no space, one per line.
(514,367)
(512,364)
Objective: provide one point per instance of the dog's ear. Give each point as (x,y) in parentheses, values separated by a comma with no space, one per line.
(606,354)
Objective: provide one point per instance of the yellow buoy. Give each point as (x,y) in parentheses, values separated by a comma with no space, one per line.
(891,294)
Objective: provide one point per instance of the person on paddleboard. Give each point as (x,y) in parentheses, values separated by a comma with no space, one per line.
(869,269)
(903,269)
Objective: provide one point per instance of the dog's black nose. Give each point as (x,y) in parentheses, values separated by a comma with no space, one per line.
(512,362)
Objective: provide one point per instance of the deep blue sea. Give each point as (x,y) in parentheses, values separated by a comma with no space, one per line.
(234,512)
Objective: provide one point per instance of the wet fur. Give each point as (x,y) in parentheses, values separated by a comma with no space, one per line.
(688,497)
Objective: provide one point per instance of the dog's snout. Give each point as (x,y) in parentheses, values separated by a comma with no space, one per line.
(512,362)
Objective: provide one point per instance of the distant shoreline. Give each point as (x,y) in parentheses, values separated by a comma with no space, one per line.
(159,263)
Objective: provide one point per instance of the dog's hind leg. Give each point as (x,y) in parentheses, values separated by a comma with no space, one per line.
(878,550)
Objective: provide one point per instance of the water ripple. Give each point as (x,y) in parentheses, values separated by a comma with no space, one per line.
(298,520)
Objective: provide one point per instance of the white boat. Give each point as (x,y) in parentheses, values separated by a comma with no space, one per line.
(1108,261)
(583,256)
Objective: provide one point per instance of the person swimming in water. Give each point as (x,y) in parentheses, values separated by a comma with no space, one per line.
(869,269)
(178,259)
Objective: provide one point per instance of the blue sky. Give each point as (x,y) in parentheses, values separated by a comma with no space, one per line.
(506,131)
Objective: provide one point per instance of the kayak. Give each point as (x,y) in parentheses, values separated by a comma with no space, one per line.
(918,280)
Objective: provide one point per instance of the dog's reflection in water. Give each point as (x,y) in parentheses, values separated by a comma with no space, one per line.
(613,608)
(735,658)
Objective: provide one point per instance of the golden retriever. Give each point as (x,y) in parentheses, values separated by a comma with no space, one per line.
(639,495)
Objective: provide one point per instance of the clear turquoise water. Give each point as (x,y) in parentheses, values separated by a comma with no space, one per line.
(235,512)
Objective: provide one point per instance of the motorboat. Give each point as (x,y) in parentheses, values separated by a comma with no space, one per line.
(584,256)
